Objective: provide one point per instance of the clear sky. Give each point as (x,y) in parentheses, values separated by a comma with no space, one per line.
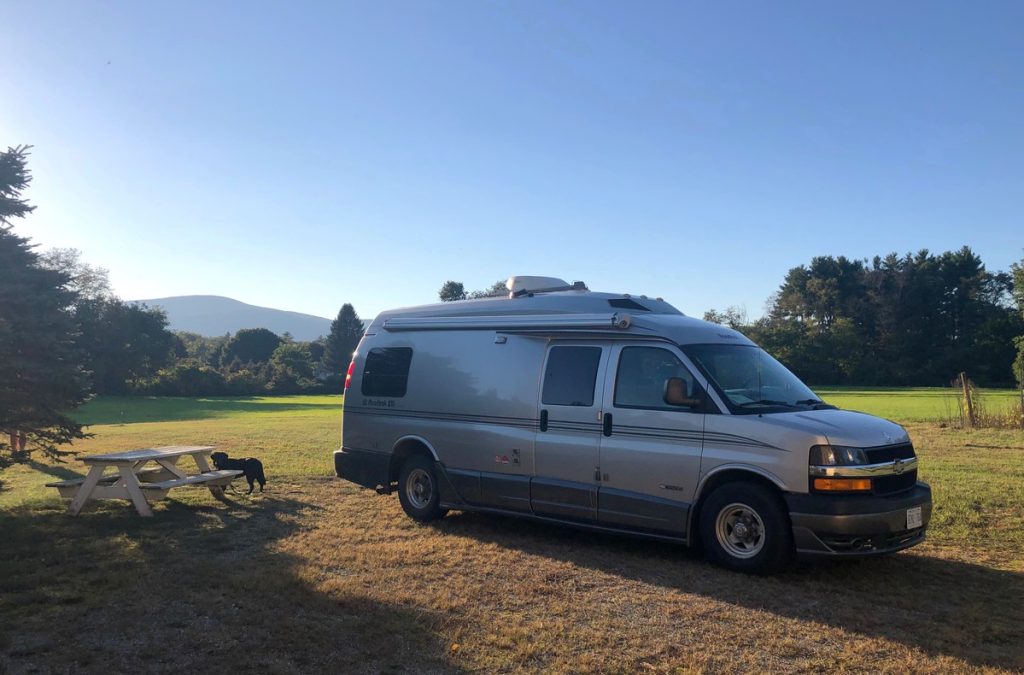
(300,155)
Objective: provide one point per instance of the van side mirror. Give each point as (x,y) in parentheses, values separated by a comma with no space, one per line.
(676,394)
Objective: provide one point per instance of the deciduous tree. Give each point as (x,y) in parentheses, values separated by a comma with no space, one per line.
(250,345)
(452,290)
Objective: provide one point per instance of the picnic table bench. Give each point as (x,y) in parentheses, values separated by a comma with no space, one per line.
(139,483)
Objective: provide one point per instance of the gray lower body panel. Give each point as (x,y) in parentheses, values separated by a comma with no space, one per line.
(564,501)
(621,508)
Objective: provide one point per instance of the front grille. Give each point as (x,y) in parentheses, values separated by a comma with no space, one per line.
(887,453)
(887,485)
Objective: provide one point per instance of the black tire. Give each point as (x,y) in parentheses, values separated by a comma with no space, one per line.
(744,527)
(418,489)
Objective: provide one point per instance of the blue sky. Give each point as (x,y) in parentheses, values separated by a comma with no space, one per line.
(302,155)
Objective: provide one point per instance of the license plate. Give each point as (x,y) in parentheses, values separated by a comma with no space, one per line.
(914,518)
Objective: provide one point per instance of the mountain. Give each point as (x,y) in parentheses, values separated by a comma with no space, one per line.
(214,315)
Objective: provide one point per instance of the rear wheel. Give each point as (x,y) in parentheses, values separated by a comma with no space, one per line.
(418,489)
(744,527)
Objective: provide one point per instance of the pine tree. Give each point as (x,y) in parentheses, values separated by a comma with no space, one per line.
(346,331)
(40,368)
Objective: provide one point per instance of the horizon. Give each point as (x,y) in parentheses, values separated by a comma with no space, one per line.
(306,158)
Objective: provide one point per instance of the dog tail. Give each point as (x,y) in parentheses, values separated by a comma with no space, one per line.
(261,477)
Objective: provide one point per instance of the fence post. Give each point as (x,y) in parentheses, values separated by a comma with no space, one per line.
(968,403)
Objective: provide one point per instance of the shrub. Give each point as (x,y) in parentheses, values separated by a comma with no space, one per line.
(185,379)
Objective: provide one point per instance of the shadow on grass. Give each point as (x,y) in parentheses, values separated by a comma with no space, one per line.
(57,471)
(133,410)
(198,588)
(940,606)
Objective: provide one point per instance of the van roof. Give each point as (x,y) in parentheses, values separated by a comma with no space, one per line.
(647,317)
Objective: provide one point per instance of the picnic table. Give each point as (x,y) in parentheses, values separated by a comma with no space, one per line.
(135,481)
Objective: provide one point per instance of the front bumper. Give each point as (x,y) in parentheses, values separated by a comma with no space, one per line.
(857,525)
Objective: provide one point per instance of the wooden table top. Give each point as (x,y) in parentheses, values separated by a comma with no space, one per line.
(148,453)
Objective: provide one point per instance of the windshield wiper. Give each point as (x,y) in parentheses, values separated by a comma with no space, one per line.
(767,401)
(816,403)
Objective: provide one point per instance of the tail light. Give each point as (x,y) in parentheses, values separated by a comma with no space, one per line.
(348,375)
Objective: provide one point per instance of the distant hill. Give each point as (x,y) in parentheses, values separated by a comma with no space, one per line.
(214,315)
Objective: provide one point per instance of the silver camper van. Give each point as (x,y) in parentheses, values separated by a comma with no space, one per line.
(618,413)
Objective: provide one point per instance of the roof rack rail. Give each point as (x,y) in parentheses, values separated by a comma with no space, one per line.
(541,321)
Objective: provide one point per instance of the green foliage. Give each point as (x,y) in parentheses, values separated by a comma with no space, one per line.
(40,369)
(250,345)
(451,291)
(455,290)
(346,332)
(14,178)
(1018,362)
(496,289)
(122,343)
(912,320)
(291,369)
(1017,270)
(185,378)
(205,350)
(733,317)
(90,283)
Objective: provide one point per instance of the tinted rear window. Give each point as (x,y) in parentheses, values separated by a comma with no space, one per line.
(571,375)
(386,372)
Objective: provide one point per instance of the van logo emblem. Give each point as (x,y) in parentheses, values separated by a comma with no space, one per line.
(897,466)
(501,459)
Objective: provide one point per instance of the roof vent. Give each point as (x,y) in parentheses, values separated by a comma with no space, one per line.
(519,286)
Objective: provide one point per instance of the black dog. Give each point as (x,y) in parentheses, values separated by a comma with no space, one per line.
(252,468)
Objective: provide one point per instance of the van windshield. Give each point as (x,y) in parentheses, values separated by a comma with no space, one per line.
(751,380)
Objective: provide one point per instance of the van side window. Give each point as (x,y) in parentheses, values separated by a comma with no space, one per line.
(571,376)
(386,372)
(643,371)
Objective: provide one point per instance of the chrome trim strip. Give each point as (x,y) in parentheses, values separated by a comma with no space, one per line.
(893,468)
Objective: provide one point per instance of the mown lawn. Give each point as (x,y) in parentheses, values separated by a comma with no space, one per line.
(912,404)
(316,575)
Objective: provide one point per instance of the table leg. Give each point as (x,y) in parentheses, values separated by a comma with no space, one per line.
(131,483)
(171,464)
(204,466)
(202,463)
(85,489)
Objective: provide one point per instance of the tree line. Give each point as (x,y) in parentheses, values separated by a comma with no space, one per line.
(899,320)
(127,349)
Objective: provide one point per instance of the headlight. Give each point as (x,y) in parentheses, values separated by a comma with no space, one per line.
(837,455)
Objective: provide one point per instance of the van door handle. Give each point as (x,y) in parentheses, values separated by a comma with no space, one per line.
(607,424)
(543,420)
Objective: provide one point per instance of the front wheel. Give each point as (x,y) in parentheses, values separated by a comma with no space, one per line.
(418,489)
(744,527)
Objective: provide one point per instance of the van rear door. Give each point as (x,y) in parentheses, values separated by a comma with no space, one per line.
(566,452)
(650,454)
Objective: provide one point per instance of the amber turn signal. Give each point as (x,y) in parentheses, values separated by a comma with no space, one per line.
(842,484)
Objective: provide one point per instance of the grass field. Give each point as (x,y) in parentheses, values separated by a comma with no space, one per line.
(317,575)
(911,404)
